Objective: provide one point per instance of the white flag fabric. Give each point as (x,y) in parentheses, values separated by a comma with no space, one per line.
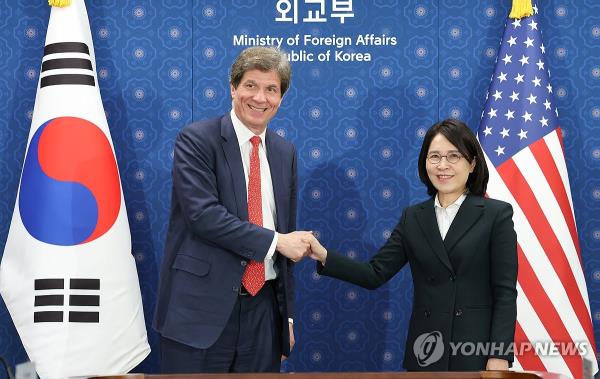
(67,275)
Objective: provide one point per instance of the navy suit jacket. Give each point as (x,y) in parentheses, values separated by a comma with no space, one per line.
(210,240)
(464,286)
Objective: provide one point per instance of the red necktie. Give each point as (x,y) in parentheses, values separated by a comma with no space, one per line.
(254,276)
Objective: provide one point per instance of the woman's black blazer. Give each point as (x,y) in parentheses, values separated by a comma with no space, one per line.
(464,285)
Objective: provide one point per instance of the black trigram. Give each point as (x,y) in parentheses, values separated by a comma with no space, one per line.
(78,295)
(63,60)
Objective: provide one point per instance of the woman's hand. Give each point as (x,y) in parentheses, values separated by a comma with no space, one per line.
(317,251)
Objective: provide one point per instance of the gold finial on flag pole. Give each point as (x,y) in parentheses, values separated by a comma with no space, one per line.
(59,3)
(521,9)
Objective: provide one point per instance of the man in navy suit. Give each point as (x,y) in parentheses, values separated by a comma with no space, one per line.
(226,292)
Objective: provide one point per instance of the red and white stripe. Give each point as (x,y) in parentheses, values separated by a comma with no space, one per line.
(552,304)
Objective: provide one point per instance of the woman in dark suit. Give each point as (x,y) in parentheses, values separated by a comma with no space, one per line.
(462,251)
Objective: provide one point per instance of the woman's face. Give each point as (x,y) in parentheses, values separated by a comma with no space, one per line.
(450,179)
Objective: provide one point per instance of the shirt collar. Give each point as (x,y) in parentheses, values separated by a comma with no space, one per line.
(242,132)
(457,203)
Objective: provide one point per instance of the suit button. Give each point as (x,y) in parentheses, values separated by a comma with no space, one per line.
(458,312)
(427,313)
(452,278)
(235,289)
(243,263)
(431,279)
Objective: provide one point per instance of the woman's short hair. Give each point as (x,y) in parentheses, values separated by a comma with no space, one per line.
(264,59)
(458,134)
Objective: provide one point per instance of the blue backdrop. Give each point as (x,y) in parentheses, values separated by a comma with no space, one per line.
(358,127)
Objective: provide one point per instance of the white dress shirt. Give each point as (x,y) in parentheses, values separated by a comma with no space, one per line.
(266,186)
(445,216)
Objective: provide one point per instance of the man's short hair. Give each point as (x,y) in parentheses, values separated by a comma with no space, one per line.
(263,59)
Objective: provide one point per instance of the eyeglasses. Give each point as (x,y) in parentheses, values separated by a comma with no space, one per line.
(435,158)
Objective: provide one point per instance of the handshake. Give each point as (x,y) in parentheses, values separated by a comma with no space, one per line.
(297,245)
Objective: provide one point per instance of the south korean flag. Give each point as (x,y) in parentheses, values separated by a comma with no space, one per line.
(67,274)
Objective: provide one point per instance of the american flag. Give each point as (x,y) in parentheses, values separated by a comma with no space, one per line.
(522,141)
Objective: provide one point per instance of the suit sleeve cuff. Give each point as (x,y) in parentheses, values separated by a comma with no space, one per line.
(271,250)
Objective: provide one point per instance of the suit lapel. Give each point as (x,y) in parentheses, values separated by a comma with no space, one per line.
(469,212)
(233,156)
(428,223)
(274,158)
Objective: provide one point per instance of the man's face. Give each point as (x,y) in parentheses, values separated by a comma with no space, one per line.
(257,98)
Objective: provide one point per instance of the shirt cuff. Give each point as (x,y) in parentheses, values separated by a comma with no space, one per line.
(291,321)
(271,251)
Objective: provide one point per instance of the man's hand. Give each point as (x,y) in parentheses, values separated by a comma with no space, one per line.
(317,251)
(294,245)
(497,364)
